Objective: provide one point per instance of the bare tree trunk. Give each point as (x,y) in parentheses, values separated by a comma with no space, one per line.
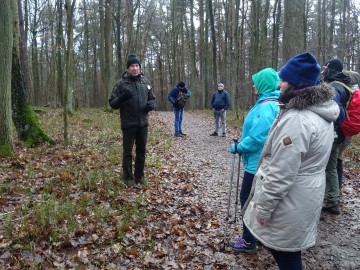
(86,64)
(68,108)
(330,51)
(343,42)
(174,42)
(101,50)
(194,78)
(119,64)
(129,26)
(96,79)
(264,48)
(255,54)
(275,37)
(59,97)
(294,32)
(201,56)
(6,43)
(213,39)
(23,54)
(207,57)
(108,54)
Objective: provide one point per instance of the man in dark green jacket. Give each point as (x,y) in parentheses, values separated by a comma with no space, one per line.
(133,95)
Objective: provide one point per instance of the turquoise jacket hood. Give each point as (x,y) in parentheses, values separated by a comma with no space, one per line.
(266,80)
(259,119)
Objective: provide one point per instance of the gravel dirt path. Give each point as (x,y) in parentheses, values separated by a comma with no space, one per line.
(208,159)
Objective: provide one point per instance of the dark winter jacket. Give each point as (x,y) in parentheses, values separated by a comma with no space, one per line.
(342,95)
(220,100)
(134,97)
(176,94)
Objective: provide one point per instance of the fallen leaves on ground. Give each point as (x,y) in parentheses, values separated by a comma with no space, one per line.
(65,207)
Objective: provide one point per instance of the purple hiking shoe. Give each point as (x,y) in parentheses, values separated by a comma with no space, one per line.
(241,246)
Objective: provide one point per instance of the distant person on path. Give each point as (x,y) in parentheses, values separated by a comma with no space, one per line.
(332,73)
(133,95)
(178,97)
(220,102)
(284,206)
(254,133)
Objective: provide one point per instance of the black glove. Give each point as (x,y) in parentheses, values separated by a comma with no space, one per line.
(149,107)
(126,96)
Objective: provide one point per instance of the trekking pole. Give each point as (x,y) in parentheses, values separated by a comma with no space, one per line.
(237,188)
(228,200)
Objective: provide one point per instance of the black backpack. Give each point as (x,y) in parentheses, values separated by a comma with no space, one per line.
(181,100)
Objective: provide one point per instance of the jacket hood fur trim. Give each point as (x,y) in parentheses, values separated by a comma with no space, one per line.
(310,96)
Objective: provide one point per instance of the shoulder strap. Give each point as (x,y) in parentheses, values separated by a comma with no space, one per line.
(343,85)
(269,99)
(350,91)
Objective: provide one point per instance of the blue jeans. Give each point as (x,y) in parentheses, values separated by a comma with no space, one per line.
(178,119)
(287,260)
(244,195)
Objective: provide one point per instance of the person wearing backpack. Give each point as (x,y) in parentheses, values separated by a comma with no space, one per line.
(355,82)
(254,133)
(332,74)
(220,102)
(178,97)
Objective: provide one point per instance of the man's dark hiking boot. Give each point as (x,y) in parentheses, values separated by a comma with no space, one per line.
(332,208)
(143,181)
(128,181)
(224,134)
(178,135)
(183,134)
(214,134)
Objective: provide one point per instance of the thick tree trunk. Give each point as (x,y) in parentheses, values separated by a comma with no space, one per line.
(294,31)
(25,120)
(6,43)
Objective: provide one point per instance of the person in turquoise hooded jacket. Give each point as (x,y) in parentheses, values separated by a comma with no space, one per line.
(254,133)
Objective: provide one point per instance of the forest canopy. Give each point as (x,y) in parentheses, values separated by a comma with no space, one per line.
(202,42)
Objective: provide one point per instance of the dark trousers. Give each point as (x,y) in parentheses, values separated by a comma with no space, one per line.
(137,135)
(340,170)
(287,260)
(244,195)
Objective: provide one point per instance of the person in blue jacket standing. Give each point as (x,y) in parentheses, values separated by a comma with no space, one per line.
(178,98)
(254,133)
(220,102)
